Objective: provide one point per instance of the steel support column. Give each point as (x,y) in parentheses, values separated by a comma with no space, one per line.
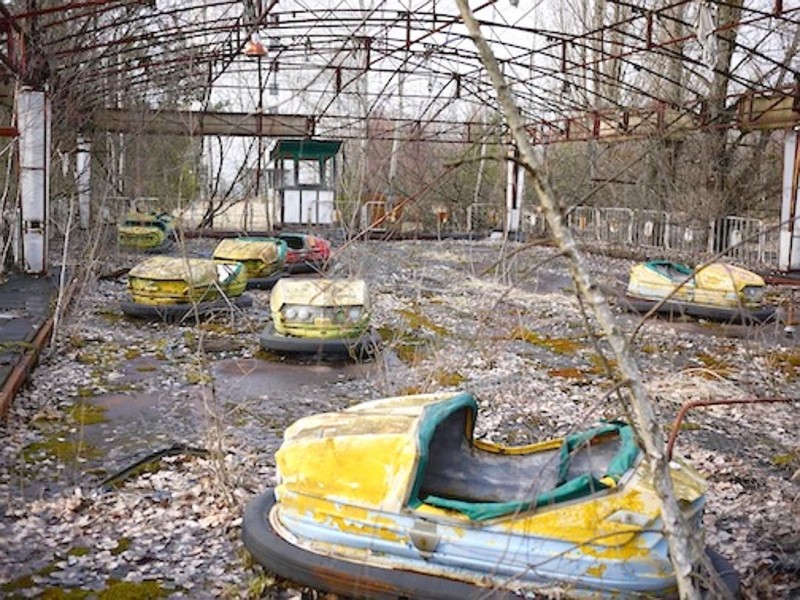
(515,176)
(83,180)
(33,119)
(789,242)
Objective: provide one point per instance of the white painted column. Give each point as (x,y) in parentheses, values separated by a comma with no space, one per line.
(83,180)
(33,123)
(789,241)
(513,196)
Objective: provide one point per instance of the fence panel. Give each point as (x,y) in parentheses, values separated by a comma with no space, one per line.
(686,235)
(740,238)
(583,222)
(615,225)
(534,224)
(483,217)
(650,228)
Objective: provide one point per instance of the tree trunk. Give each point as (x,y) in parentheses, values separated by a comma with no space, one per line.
(648,429)
(728,14)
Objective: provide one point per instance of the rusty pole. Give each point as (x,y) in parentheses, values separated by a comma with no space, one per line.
(695,403)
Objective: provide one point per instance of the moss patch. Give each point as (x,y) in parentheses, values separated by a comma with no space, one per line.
(410,348)
(262,354)
(132,590)
(410,391)
(555,345)
(788,459)
(218,328)
(449,378)
(111,316)
(196,376)
(190,340)
(687,426)
(76,341)
(417,320)
(123,544)
(599,366)
(20,583)
(787,362)
(132,353)
(60,447)
(88,358)
(68,594)
(714,364)
(25,582)
(86,413)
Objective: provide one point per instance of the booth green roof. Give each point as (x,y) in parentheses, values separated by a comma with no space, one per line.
(305,149)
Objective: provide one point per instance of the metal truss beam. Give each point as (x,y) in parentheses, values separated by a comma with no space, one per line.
(199,123)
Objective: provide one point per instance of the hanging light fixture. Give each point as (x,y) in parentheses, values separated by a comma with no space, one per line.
(254,46)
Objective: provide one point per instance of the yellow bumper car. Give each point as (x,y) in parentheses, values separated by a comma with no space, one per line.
(323,317)
(717,292)
(151,232)
(174,288)
(263,258)
(395,499)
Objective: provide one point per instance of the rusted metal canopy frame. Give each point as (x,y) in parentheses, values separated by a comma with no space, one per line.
(676,425)
(626,127)
(439,21)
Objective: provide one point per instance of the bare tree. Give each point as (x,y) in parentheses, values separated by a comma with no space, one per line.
(720,152)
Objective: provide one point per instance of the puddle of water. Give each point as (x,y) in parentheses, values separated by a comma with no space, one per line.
(140,369)
(548,283)
(253,376)
(126,406)
(538,281)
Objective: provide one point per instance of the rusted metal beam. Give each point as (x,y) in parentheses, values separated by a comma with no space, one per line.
(768,111)
(62,8)
(24,366)
(616,125)
(197,123)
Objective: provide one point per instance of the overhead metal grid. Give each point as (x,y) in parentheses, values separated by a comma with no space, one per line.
(573,81)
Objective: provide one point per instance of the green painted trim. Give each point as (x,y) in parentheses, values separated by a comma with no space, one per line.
(430,419)
(680,267)
(306,149)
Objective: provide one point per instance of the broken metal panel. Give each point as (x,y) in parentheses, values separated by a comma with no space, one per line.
(616,125)
(196,123)
(33,118)
(767,111)
(789,242)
